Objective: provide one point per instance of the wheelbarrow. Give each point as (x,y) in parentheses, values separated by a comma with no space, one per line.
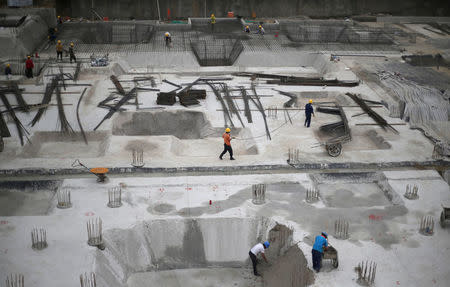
(99,172)
(331,254)
(445,214)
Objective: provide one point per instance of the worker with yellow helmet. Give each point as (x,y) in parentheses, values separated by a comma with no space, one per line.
(168,38)
(309,110)
(247,29)
(212,21)
(261,30)
(8,71)
(59,50)
(227,144)
(72,53)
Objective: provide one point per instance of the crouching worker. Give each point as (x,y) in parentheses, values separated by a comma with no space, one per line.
(320,244)
(257,249)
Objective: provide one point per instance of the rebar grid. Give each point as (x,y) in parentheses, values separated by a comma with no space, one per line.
(64,199)
(115,197)
(341,229)
(411,192)
(15,280)
(259,193)
(293,156)
(88,280)
(38,238)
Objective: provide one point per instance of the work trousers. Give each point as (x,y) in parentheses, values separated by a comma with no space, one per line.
(317,259)
(308,120)
(58,55)
(226,149)
(254,261)
(72,57)
(29,72)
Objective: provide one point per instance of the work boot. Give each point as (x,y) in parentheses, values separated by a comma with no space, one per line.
(257,274)
(220,158)
(232,158)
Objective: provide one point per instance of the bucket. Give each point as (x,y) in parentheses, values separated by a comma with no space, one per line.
(230,14)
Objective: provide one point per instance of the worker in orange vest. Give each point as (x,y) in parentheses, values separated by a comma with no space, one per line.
(227,144)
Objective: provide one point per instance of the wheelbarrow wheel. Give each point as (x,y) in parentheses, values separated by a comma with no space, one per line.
(335,263)
(334,150)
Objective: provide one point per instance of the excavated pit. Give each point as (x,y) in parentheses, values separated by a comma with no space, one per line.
(197,252)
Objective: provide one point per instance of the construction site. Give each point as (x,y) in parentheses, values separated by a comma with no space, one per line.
(114,115)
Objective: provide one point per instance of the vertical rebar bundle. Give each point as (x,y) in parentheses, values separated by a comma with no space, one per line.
(38,238)
(272,112)
(312,195)
(88,280)
(366,273)
(15,280)
(411,192)
(137,158)
(427,225)
(259,193)
(293,156)
(115,197)
(94,229)
(63,199)
(341,229)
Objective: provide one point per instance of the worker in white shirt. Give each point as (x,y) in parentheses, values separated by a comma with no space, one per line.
(258,248)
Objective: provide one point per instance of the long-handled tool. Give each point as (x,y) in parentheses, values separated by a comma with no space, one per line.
(99,172)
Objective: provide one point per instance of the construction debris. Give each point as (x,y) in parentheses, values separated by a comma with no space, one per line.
(340,131)
(99,61)
(22,132)
(299,81)
(259,193)
(167,99)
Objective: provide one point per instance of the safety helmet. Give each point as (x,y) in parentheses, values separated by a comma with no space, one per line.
(246,27)
(212,15)
(8,65)
(28,57)
(59,41)
(59,16)
(56,29)
(266,244)
(167,33)
(325,234)
(260,26)
(71,44)
(227,130)
(310,101)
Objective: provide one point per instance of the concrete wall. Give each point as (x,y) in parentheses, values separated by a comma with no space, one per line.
(147,9)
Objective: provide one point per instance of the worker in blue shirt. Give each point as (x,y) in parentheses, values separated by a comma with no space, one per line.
(309,110)
(320,244)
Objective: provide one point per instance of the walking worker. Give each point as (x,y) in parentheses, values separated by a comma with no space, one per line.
(309,110)
(29,65)
(320,244)
(213,21)
(59,50)
(227,144)
(72,54)
(258,248)
(168,38)
(8,71)
(247,29)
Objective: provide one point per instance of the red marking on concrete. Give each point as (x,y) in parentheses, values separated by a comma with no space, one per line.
(90,213)
(398,282)
(188,188)
(376,217)
(3,222)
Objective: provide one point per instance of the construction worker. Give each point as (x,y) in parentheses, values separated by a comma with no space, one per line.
(60,21)
(8,71)
(213,21)
(227,144)
(168,38)
(320,244)
(29,65)
(261,30)
(247,29)
(258,248)
(59,50)
(309,110)
(52,35)
(72,54)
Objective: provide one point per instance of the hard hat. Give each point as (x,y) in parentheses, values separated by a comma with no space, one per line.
(29,57)
(212,15)
(167,33)
(260,26)
(59,16)
(7,65)
(310,101)
(71,44)
(56,29)
(227,130)
(266,244)
(246,27)
(59,41)
(325,234)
